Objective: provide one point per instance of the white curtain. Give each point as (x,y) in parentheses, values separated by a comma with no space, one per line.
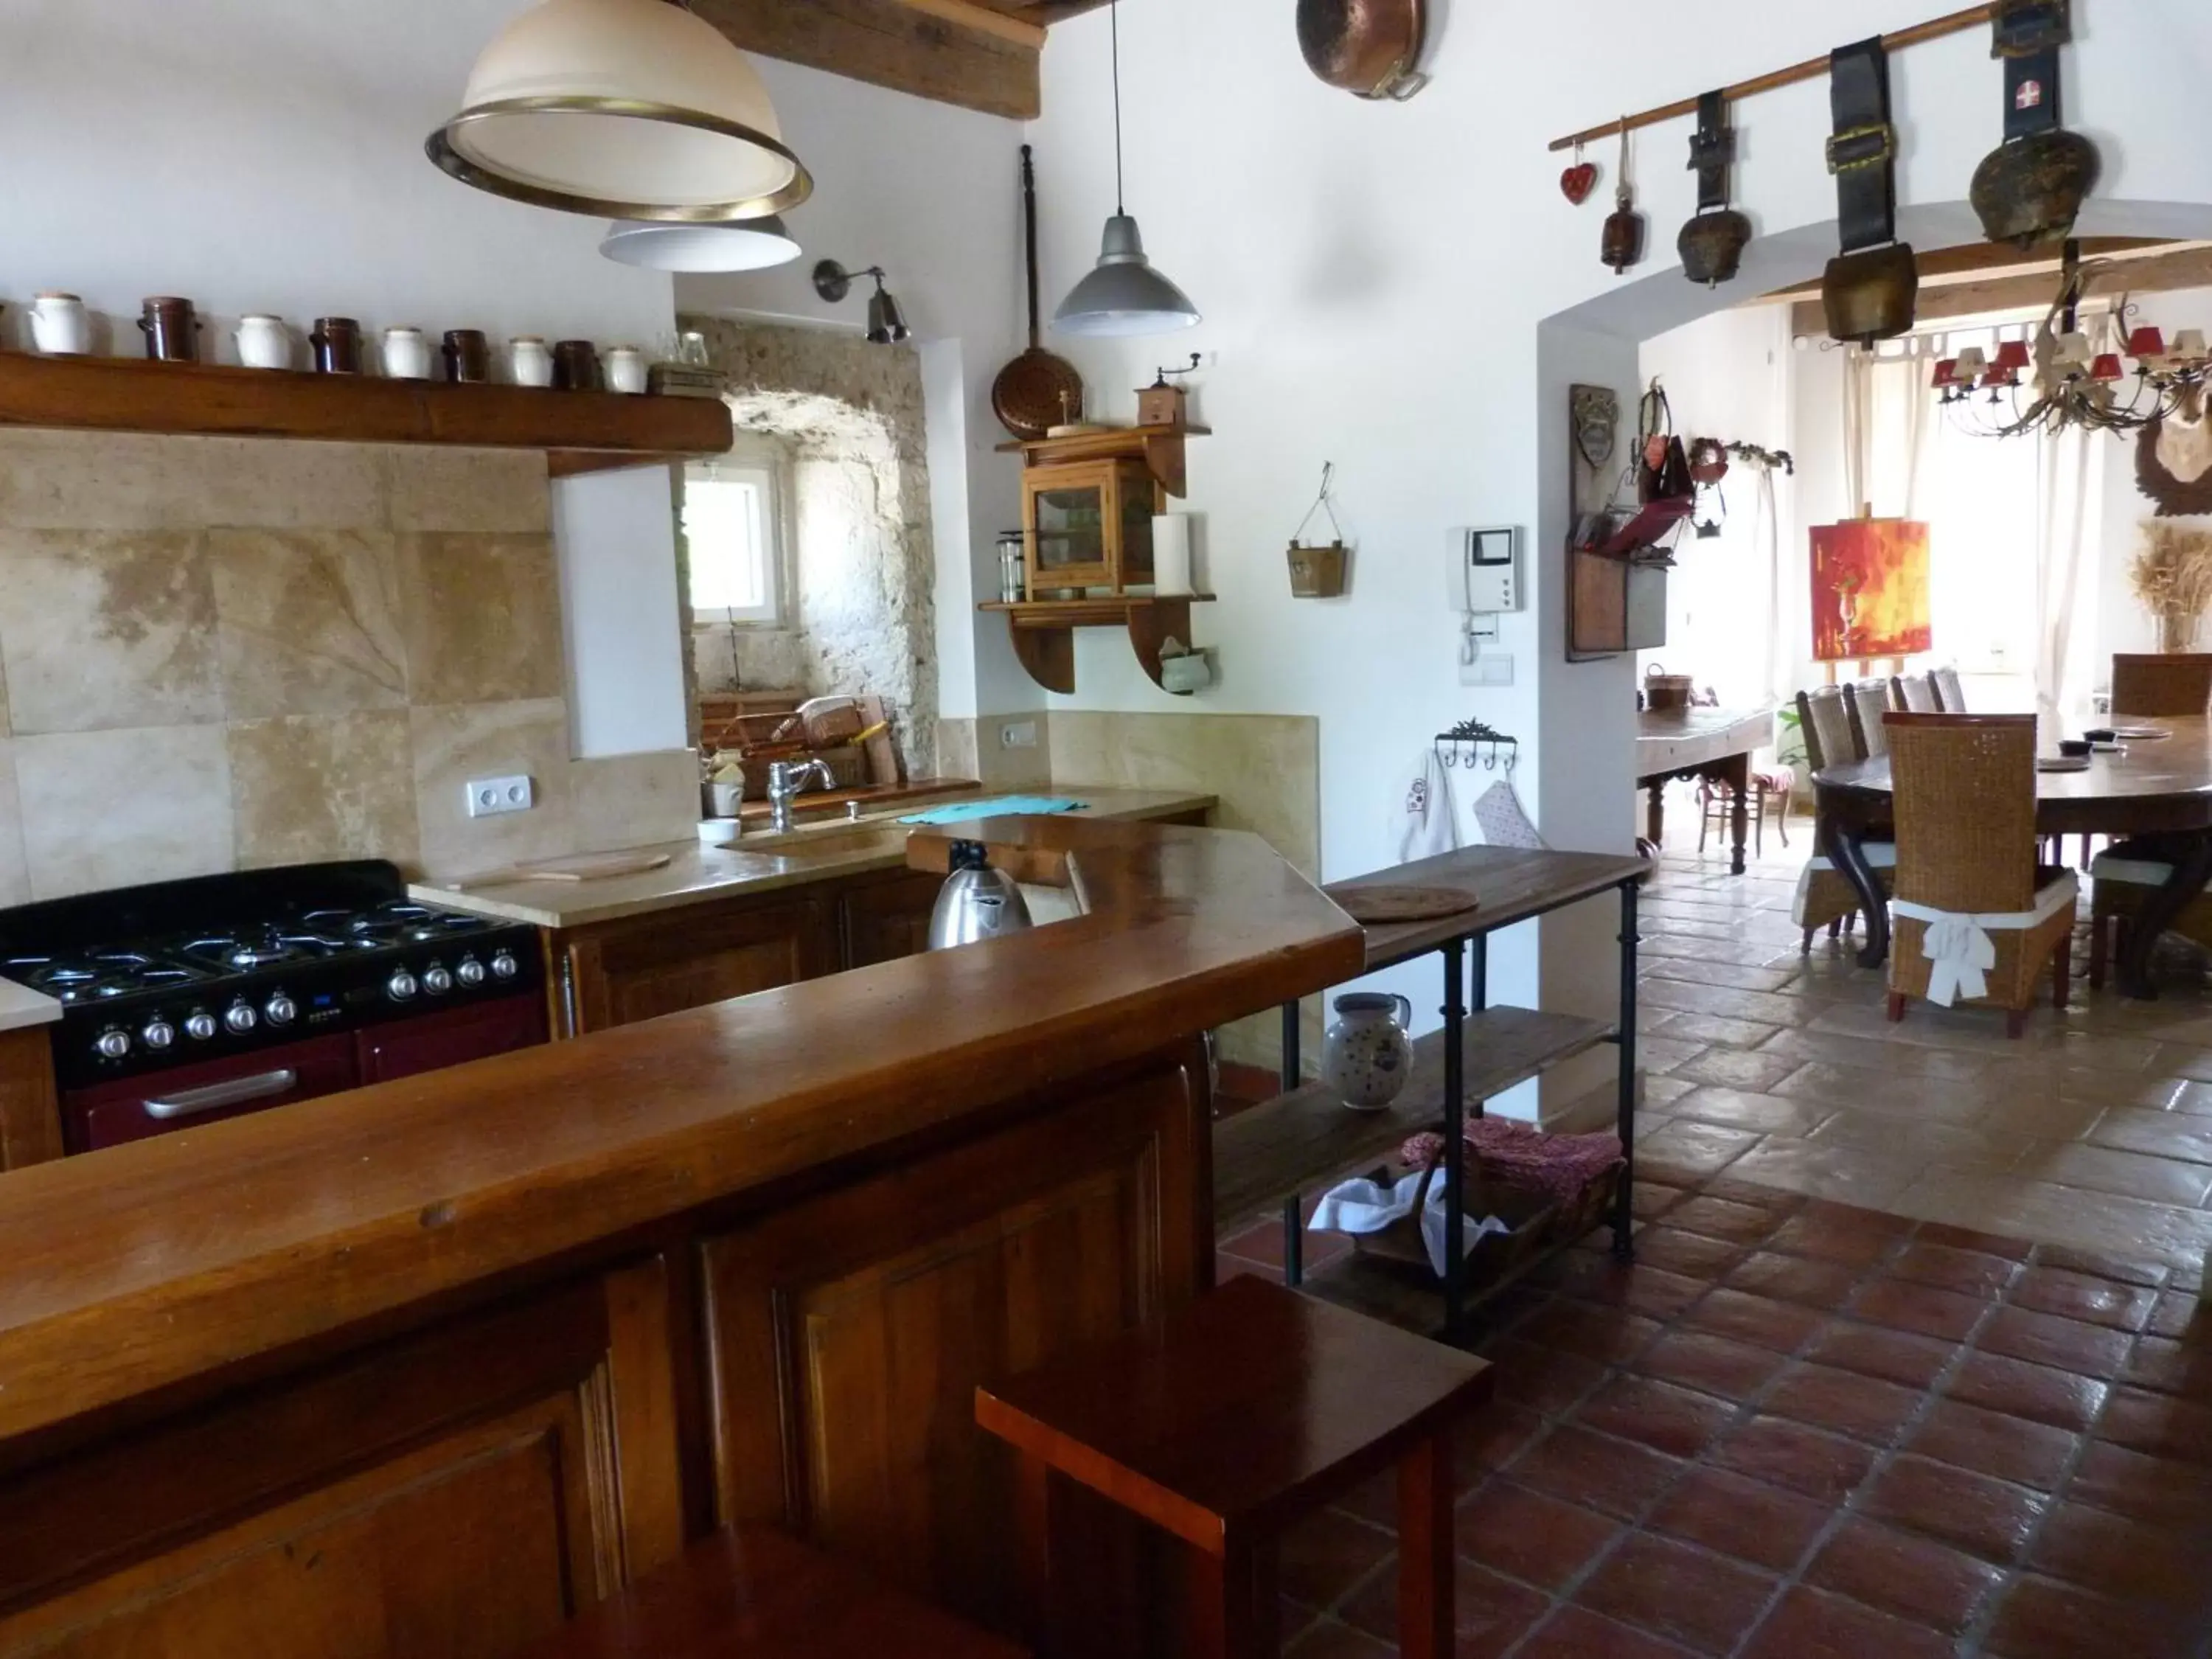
(2070,483)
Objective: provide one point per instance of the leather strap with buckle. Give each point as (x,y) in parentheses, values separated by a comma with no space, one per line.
(2029,33)
(1864,146)
(1712,152)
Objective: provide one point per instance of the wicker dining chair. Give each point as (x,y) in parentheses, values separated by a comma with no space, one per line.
(1914,694)
(1825,897)
(1950,695)
(1964,786)
(2122,880)
(1868,701)
(2170,686)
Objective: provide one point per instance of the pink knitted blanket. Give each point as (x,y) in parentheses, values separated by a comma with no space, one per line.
(1522,1156)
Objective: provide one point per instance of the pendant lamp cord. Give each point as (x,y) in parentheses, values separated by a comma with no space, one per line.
(1113,19)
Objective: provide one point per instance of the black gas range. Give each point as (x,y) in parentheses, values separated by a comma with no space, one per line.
(189,1000)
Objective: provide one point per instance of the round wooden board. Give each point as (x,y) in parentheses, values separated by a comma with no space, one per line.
(1381,904)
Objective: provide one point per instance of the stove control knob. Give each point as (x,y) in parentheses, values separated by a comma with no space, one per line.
(437,980)
(113,1045)
(504,966)
(159,1033)
(199,1025)
(401,986)
(471,972)
(280,1010)
(240,1018)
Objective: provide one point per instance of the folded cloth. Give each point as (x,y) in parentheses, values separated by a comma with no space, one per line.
(1368,1207)
(1006,806)
(1424,817)
(1521,1156)
(1958,944)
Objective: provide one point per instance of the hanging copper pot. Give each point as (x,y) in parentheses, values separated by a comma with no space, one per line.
(1370,48)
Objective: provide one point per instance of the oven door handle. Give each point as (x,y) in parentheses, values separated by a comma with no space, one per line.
(190,1103)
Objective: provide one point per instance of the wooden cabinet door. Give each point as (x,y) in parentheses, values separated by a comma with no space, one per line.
(454,1495)
(629,971)
(884,921)
(848,1333)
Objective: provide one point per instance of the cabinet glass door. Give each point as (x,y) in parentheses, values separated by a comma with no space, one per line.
(1069,530)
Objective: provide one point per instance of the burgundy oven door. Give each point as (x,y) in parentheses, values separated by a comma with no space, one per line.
(430,1043)
(113,1113)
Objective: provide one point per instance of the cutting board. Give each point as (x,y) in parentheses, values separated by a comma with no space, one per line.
(597,866)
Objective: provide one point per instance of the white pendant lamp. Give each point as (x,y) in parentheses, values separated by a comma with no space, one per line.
(625,109)
(1123,294)
(746,245)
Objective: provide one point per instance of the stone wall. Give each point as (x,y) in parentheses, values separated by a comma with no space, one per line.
(220,653)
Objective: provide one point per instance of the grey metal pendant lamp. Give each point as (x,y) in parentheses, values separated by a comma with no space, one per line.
(1123,294)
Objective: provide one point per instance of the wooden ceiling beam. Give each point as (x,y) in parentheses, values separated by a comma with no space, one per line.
(1972,260)
(954,51)
(2189,266)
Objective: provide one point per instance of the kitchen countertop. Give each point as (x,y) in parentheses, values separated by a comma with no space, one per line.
(19,1007)
(696,872)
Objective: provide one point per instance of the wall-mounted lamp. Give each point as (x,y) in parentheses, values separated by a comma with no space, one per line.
(886,322)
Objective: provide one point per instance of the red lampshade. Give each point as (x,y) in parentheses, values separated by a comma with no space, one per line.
(1946,373)
(2107,368)
(1997,377)
(2146,342)
(2012,354)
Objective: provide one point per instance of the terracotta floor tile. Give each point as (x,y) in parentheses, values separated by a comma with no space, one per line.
(1835,1232)
(1902,1573)
(1635,1286)
(2171,1367)
(1819,1465)
(1757,1319)
(1966,1272)
(1326,1553)
(1987,1517)
(1524,1534)
(1654,1198)
(1679,1422)
(1864,1407)
(1605,1334)
(2103,1264)
(1696,1150)
(2047,1340)
(1811,1625)
(1691,1254)
(1768,1115)
(1542,1379)
(1493,1437)
(2043,1619)
(1725,1219)
(2080,1296)
(2180,1316)
(1611,1476)
(1747,1519)
(1578,1633)
(2062,1399)
(2127,1174)
(1493,1612)
(1893,1355)
(1800,1279)
(1780,1205)
(1713,1365)
(1924,1310)
(2130,1560)
(2158,1424)
(2158,1490)
(1328,1639)
(1967,1238)
(1736,1069)
(2010,1448)
(1704,1603)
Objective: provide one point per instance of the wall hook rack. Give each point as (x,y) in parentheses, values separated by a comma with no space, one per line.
(1472,743)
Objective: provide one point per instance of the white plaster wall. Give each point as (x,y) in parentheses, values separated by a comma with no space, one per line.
(2122,623)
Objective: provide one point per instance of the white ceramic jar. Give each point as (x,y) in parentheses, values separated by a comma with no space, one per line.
(406,355)
(60,325)
(1369,1056)
(529,361)
(264,342)
(625,370)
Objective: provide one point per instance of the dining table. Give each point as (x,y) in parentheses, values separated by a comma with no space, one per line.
(2154,792)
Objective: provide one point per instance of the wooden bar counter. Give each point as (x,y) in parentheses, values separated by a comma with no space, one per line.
(423,1368)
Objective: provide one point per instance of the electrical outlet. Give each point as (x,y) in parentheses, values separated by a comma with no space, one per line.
(488,796)
(1018,734)
(1490,668)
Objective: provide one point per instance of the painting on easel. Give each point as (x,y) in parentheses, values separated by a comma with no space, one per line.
(1871,593)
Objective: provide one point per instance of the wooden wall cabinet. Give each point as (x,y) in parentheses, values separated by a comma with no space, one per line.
(1088,524)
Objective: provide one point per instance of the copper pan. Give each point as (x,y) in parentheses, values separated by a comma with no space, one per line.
(1371,48)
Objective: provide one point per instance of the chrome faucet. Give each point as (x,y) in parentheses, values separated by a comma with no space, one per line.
(784,781)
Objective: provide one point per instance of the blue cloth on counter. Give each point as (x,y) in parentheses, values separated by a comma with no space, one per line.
(1005,806)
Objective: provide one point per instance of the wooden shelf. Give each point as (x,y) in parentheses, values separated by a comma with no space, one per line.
(1160,446)
(1044,629)
(579,431)
(1308,1138)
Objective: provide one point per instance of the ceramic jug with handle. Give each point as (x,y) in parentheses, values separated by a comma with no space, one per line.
(1369,1056)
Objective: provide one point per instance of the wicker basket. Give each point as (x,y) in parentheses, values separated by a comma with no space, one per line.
(1538,1222)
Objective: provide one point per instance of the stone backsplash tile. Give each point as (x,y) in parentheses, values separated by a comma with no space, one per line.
(15,873)
(117,808)
(101,630)
(309,621)
(620,801)
(482,615)
(308,788)
(492,491)
(454,743)
(127,481)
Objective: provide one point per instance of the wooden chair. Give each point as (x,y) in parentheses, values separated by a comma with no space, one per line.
(2122,881)
(1224,1426)
(757,1593)
(1950,695)
(1717,807)
(1825,897)
(1915,694)
(2161,686)
(1867,701)
(1965,791)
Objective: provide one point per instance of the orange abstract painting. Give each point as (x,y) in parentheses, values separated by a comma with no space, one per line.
(1870,590)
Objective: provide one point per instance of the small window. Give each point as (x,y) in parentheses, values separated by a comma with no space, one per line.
(733,526)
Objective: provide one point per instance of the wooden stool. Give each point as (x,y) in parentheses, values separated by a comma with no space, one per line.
(756,1592)
(1228,1423)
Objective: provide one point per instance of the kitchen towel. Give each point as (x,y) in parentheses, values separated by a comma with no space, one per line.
(1006,806)
(1368,1207)
(1424,817)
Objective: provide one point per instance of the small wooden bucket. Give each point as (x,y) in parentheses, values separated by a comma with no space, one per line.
(1317,572)
(1662,690)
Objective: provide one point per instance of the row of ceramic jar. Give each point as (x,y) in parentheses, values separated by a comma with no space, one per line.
(62,327)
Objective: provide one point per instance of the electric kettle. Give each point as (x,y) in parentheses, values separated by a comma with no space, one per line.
(977,903)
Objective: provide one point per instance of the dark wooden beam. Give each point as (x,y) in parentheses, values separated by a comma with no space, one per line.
(951,51)
(1972,260)
(2034,289)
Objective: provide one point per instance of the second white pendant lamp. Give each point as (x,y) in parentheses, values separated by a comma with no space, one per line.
(625,109)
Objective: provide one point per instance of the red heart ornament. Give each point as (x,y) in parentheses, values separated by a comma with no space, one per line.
(1577,183)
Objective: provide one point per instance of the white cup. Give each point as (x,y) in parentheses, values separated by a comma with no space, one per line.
(406,355)
(530,361)
(625,370)
(60,326)
(264,342)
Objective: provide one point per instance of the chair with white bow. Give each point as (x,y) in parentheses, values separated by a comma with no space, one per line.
(1977,919)
(1825,897)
